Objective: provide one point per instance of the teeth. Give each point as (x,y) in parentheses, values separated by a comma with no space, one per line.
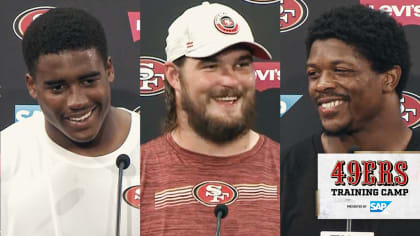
(226,99)
(82,118)
(331,104)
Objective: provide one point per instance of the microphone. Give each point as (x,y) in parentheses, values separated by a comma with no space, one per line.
(354,149)
(351,150)
(220,211)
(123,162)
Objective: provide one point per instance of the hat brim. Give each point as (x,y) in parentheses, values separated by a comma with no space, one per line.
(209,50)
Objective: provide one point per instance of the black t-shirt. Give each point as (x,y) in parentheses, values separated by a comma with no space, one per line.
(298,187)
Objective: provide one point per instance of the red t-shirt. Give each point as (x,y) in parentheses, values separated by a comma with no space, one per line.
(180,188)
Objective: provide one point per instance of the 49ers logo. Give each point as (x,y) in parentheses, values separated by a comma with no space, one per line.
(225,24)
(24,19)
(293,13)
(152,75)
(410,108)
(211,193)
(132,196)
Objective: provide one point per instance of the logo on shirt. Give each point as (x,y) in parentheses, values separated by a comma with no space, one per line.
(132,196)
(24,19)
(211,193)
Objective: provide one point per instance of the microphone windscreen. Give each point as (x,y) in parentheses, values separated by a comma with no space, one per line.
(221,208)
(123,159)
(354,149)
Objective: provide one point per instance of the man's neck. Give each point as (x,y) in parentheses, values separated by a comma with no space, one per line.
(190,140)
(115,130)
(383,138)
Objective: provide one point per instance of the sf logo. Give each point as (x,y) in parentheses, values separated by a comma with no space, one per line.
(406,110)
(137,194)
(284,14)
(148,77)
(215,191)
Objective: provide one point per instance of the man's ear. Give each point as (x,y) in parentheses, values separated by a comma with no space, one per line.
(391,78)
(31,86)
(173,75)
(109,70)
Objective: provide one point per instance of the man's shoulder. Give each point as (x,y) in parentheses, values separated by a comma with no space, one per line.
(309,143)
(302,150)
(414,144)
(24,127)
(156,144)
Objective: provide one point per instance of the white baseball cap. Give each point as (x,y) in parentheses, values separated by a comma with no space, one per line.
(207,29)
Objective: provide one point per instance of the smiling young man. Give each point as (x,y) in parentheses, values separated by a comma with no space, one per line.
(58,172)
(209,154)
(358,63)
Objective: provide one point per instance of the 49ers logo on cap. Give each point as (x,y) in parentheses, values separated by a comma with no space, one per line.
(24,19)
(410,109)
(152,75)
(132,196)
(211,193)
(293,13)
(225,24)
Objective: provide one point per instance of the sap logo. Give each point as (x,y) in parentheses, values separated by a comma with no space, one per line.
(25,111)
(286,102)
(379,206)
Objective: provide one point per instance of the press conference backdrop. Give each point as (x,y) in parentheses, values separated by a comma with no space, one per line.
(121,20)
(157,15)
(298,116)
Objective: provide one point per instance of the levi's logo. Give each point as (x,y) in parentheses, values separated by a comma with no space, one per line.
(406,12)
(211,193)
(379,206)
(134,19)
(267,75)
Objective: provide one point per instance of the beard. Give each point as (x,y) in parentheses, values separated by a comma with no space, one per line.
(217,129)
(344,131)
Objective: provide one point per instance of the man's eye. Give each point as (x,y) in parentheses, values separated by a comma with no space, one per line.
(210,66)
(57,88)
(343,70)
(311,74)
(244,64)
(88,82)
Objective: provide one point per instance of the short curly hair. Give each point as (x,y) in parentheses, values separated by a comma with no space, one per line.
(62,29)
(375,34)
